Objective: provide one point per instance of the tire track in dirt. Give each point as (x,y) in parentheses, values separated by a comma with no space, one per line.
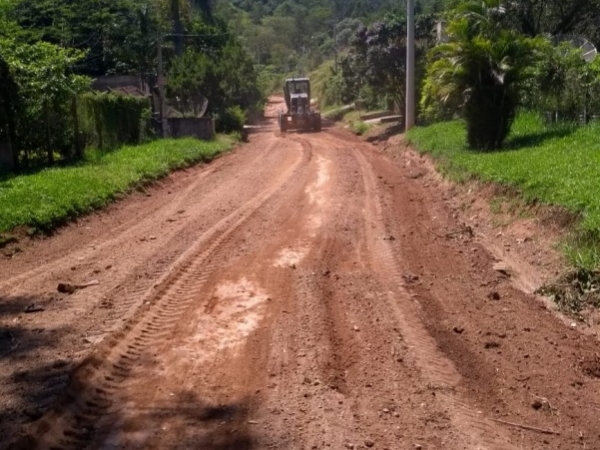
(104,308)
(333,375)
(214,345)
(476,431)
(122,234)
(123,298)
(88,395)
(298,343)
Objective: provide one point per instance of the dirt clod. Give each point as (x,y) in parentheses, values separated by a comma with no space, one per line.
(537,404)
(502,268)
(494,296)
(33,308)
(68,288)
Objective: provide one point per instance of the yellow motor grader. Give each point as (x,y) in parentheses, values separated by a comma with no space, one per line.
(299,114)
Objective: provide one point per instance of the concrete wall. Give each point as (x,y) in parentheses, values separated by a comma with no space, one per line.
(203,128)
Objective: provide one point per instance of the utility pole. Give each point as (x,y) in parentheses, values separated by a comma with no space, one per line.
(410,65)
(164,125)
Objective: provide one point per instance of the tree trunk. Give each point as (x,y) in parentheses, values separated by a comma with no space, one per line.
(6,149)
(77,145)
(49,148)
(178,30)
(12,138)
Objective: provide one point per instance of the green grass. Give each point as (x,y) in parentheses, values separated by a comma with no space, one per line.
(555,165)
(358,127)
(336,113)
(46,199)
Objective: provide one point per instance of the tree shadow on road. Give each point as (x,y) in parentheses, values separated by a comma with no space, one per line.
(30,382)
(17,338)
(194,423)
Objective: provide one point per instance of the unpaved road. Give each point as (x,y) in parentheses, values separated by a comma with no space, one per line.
(307,291)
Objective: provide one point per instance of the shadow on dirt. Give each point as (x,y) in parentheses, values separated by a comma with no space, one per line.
(189,423)
(33,383)
(387,133)
(40,391)
(17,338)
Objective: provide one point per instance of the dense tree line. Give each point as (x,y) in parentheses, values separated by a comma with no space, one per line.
(50,50)
(296,36)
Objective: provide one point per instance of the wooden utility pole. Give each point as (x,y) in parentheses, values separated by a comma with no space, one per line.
(410,65)
(164,124)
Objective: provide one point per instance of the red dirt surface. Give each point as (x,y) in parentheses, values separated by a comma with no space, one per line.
(306,291)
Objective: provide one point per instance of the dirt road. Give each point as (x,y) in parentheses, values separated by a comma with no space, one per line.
(307,291)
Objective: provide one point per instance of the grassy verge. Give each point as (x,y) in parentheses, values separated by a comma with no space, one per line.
(46,199)
(336,113)
(555,165)
(357,126)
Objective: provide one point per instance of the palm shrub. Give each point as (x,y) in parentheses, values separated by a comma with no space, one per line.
(480,71)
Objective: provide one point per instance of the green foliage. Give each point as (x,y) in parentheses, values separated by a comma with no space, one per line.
(297,36)
(46,85)
(556,17)
(269,79)
(51,46)
(583,249)
(359,127)
(555,164)
(226,79)
(327,85)
(231,120)
(49,198)
(115,35)
(483,68)
(108,120)
(8,28)
(564,85)
(188,78)
(372,69)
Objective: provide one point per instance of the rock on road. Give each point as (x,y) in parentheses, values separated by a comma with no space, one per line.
(306,291)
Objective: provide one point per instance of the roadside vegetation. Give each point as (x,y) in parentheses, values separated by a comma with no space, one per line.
(46,199)
(510,99)
(550,163)
(66,149)
(52,50)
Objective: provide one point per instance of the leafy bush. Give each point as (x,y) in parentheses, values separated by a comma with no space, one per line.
(110,120)
(226,78)
(46,87)
(231,120)
(564,85)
